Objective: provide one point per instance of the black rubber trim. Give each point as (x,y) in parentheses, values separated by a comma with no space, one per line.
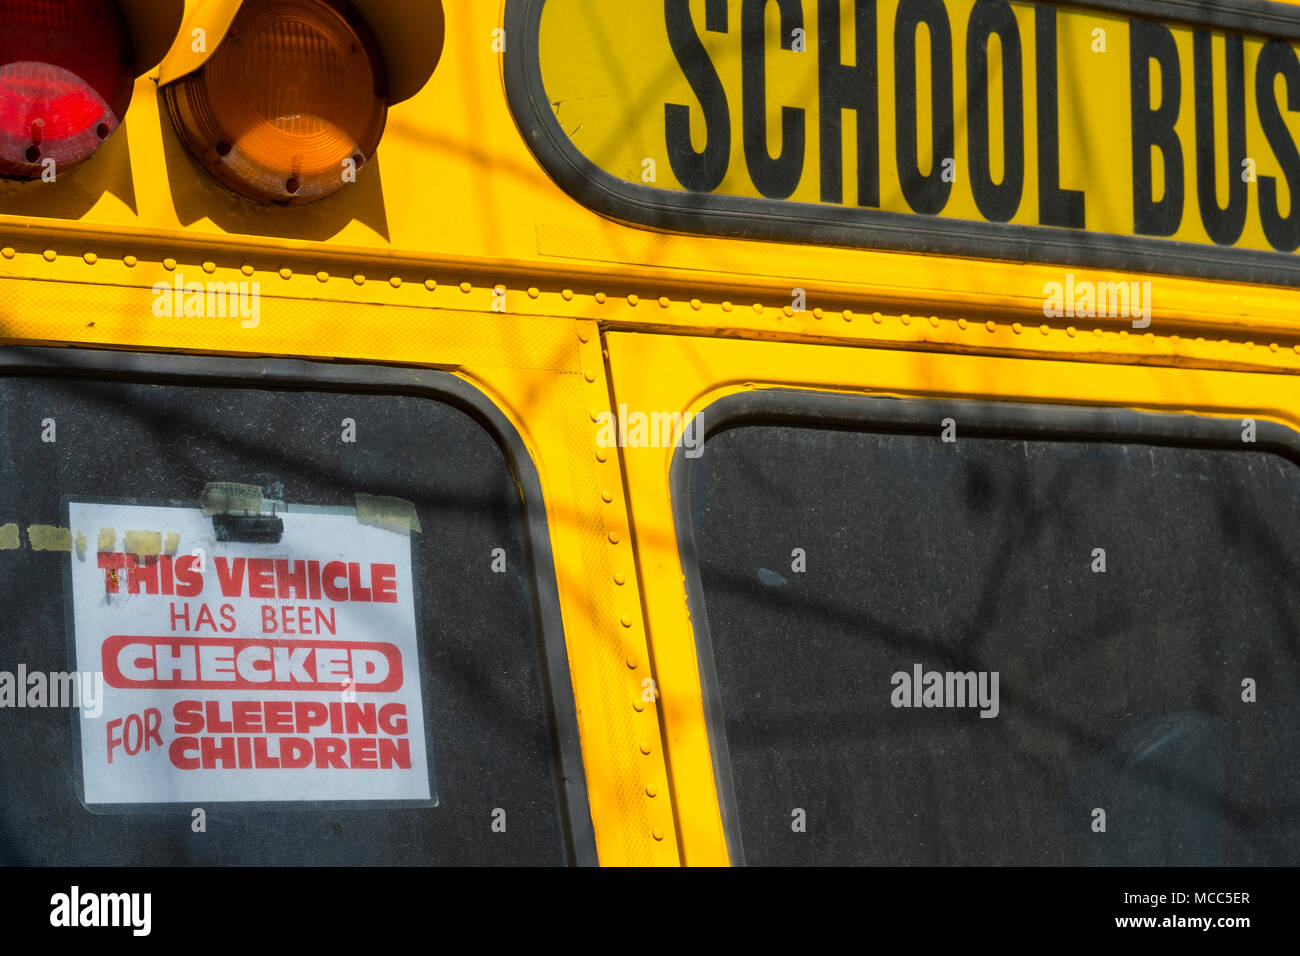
(299,375)
(742,217)
(915,416)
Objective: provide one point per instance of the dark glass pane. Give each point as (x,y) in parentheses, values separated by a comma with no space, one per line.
(491,743)
(1119,690)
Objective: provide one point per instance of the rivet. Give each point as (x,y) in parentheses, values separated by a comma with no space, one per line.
(637,705)
(657,833)
(465,287)
(651,790)
(758,307)
(1296,348)
(934,321)
(788,310)
(1046,329)
(1123,334)
(631,663)
(961,324)
(632,300)
(817,313)
(905,319)
(9,253)
(606,496)
(50,255)
(567,295)
(625,620)
(1250,345)
(877,318)
(589,376)
(613,537)
(696,304)
(664,302)
(534,292)
(209,267)
(1071,331)
(645,747)
(618,575)
(601,297)
(431,284)
(593,415)
(990,325)
(246,269)
(395,281)
(169,264)
(128,261)
(600,454)
(90,258)
(359,279)
(726,307)
(286,272)
(583,334)
(1017,328)
(322,277)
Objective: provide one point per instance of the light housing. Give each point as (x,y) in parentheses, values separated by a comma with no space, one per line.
(291,103)
(66,74)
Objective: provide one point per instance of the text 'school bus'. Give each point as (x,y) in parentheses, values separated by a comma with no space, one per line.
(653,432)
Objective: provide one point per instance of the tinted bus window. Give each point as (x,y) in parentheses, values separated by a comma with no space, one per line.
(985,651)
(490,739)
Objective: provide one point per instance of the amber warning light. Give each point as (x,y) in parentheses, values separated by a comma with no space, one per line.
(291,103)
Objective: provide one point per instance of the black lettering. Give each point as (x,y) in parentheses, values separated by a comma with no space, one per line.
(774,177)
(996,202)
(698,171)
(1223,225)
(1056,206)
(926,194)
(1282,232)
(848,88)
(1154,128)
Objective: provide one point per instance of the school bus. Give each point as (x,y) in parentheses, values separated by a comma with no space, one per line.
(664,432)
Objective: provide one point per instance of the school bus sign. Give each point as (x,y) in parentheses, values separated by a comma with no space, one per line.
(1153,135)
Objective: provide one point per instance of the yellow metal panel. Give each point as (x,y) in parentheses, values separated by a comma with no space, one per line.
(454,183)
(401,268)
(546,374)
(705,369)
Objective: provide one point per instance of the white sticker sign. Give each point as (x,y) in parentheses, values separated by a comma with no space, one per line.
(238,671)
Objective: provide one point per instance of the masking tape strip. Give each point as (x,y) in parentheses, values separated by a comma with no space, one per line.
(142,542)
(391,514)
(107,539)
(47,537)
(230,497)
(9,537)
